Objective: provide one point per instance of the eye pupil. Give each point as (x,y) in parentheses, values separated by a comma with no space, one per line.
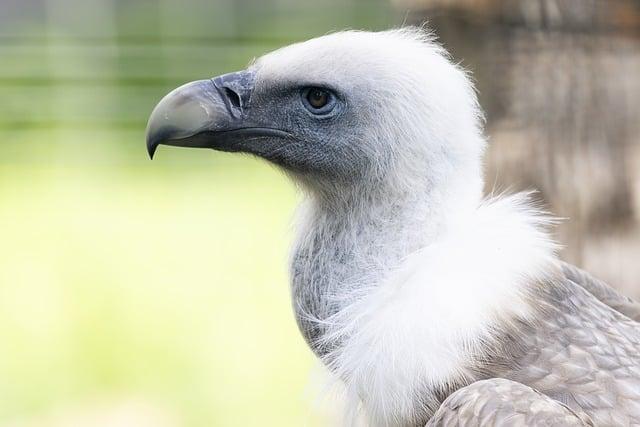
(317,98)
(318,101)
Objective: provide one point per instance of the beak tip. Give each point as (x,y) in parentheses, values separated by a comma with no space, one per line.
(152,145)
(151,150)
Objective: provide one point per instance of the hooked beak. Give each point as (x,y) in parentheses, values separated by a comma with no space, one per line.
(209,113)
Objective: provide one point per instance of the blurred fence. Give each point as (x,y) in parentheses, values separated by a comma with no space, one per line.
(102,64)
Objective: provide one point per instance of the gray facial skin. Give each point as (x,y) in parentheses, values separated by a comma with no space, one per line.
(236,112)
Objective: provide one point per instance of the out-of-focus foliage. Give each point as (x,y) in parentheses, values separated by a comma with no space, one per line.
(138,293)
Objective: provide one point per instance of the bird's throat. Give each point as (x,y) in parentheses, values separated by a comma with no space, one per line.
(345,249)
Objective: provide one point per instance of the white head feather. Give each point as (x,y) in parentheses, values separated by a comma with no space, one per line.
(400,274)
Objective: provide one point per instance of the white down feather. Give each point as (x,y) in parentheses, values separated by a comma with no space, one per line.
(427,318)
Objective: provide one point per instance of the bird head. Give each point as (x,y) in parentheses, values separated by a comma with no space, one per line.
(349,109)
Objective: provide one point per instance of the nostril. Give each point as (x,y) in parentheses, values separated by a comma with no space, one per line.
(233,97)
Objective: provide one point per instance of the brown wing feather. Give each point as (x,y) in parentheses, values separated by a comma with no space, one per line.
(501,402)
(578,352)
(582,353)
(603,292)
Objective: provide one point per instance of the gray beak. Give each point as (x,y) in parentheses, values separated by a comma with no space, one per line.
(204,114)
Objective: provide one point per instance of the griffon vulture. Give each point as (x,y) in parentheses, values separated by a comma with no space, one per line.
(432,303)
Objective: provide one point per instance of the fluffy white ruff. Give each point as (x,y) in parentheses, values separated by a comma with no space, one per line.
(426,321)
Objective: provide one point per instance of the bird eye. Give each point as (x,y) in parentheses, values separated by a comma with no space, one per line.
(318,100)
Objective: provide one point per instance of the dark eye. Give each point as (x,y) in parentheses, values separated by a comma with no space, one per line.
(318,100)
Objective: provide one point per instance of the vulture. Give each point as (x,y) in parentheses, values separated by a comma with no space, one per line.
(432,303)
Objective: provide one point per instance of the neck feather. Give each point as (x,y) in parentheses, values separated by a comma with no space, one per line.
(349,238)
(401,316)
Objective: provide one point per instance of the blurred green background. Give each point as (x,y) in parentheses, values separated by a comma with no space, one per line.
(138,293)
